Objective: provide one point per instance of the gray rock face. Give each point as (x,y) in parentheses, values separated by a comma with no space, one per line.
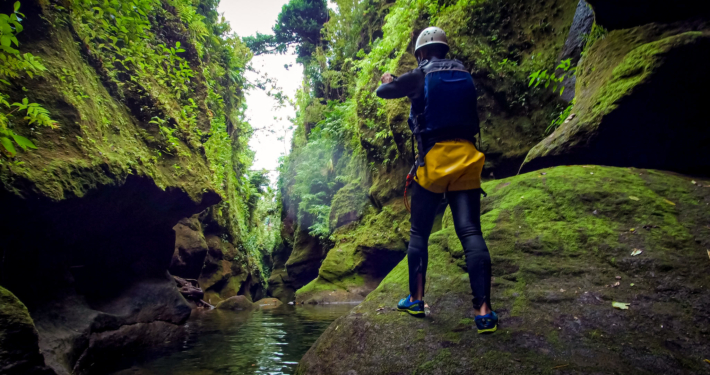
(574,45)
(581,25)
(69,327)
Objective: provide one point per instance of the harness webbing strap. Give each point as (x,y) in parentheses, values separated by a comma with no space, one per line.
(410,180)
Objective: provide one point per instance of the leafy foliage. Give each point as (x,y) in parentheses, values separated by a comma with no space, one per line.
(299,23)
(562,118)
(14,65)
(544,78)
(193,78)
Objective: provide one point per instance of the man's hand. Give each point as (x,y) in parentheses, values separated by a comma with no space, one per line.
(387,78)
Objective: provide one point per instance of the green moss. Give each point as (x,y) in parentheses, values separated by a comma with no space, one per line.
(348,204)
(13,313)
(441,358)
(633,69)
(360,252)
(614,68)
(552,236)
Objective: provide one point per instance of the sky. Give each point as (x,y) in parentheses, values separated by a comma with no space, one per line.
(246,18)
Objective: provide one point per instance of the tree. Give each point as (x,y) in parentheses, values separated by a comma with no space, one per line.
(299,23)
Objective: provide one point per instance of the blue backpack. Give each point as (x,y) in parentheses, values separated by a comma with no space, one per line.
(449,102)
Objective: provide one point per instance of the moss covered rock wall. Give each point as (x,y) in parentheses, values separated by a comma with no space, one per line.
(146,106)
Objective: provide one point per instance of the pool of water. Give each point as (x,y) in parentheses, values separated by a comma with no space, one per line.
(266,341)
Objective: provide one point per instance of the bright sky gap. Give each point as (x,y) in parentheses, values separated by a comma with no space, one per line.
(246,18)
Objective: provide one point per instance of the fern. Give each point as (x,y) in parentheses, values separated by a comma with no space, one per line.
(12,66)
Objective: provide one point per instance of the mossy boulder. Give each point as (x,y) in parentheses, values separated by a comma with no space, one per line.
(363,254)
(639,103)
(236,303)
(561,241)
(268,303)
(19,351)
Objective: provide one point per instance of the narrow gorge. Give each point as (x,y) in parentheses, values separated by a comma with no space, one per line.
(135,229)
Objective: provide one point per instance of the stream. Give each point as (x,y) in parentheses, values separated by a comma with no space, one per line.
(265,341)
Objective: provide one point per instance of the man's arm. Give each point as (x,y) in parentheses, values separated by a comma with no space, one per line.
(399,87)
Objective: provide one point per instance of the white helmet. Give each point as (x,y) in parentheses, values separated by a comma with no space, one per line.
(431,35)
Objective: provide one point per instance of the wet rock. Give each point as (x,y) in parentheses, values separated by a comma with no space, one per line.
(633,100)
(190,249)
(622,14)
(556,312)
(19,351)
(111,350)
(268,303)
(144,302)
(236,303)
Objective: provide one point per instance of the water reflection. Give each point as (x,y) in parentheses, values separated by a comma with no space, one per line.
(269,341)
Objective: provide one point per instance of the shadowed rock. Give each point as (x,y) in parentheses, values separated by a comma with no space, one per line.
(19,351)
(190,249)
(621,14)
(640,102)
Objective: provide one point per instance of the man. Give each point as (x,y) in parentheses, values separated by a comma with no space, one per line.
(444,120)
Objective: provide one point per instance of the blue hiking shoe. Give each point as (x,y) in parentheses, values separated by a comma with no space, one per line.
(415,308)
(487,323)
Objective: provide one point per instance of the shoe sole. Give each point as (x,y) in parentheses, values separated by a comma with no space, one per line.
(415,313)
(488,330)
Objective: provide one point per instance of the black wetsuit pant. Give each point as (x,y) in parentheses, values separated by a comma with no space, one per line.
(466,209)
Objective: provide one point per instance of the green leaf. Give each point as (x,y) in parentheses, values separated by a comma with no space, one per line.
(7,143)
(17,6)
(621,305)
(23,142)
